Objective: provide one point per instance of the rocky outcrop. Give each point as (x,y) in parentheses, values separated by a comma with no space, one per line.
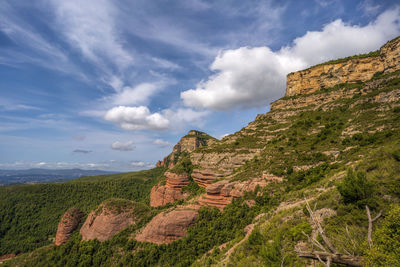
(222,193)
(190,142)
(193,140)
(68,223)
(111,217)
(205,177)
(171,191)
(167,227)
(355,69)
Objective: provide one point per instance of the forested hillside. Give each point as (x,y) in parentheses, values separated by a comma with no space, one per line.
(313,182)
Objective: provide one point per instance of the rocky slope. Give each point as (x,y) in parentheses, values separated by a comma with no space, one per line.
(111,217)
(292,158)
(68,223)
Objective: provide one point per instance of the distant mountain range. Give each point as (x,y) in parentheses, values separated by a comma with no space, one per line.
(35,176)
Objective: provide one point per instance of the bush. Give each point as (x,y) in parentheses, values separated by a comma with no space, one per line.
(356,188)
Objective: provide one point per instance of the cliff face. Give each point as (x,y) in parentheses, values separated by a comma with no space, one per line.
(349,71)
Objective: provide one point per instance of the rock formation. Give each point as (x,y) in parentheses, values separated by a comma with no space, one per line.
(353,70)
(167,227)
(190,142)
(109,218)
(221,193)
(171,191)
(68,223)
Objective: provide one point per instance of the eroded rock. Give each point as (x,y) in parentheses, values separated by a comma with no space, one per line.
(171,191)
(222,193)
(167,227)
(68,223)
(111,217)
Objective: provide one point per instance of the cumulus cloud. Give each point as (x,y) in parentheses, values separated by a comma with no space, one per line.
(161,143)
(140,118)
(123,146)
(83,151)
(137,118)
(250,77)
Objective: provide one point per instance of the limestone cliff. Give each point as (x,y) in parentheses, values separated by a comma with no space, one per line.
(350,70)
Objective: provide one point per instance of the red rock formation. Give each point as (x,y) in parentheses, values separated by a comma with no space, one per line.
(167,227)
(110,218)
(68,223)
(205,177)
(158,164)
(221,193)
(171,191)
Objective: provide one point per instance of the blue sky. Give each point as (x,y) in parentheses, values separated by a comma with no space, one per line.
(114,84)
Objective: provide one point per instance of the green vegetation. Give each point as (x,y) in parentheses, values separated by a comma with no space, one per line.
(355,188)
(339,157)
(30,214)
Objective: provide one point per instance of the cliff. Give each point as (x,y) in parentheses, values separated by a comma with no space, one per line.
(348,70)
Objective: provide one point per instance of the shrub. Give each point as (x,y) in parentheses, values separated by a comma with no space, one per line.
(356,188)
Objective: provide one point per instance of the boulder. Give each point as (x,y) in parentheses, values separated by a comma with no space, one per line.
(68,223)
(167,227)
(111,217)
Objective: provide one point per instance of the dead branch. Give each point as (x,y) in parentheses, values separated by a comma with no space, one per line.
(326,257)
(320,230)
(370,221)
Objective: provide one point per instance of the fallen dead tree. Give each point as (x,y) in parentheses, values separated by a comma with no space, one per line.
(328,253)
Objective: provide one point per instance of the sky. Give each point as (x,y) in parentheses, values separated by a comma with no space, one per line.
(114,84)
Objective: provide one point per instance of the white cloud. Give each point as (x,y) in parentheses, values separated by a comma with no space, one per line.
(136,118)
(90,26)
(123,146)
(140,94)
(141,164)
(249,77)
(161,143)
(140,118)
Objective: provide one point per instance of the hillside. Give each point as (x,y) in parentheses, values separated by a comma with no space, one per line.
(293,188)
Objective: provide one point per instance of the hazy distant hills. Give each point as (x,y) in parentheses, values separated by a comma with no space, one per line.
(33,176)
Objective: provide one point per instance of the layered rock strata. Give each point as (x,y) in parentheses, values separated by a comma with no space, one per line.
(222,193)
(109,219)
(171,191)
(167,227)
(205,177)
(68,223)
(349,71)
